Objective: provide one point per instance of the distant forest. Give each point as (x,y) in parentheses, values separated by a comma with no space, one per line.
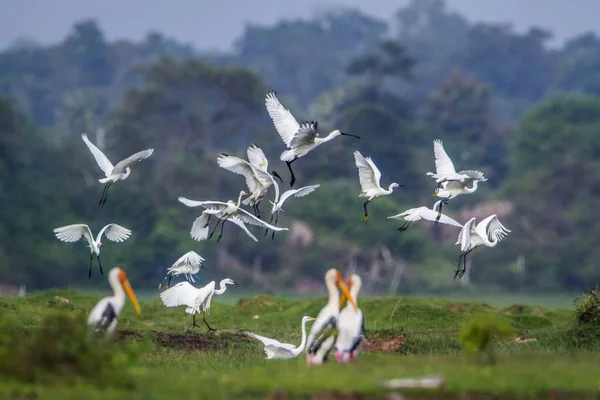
(503,102)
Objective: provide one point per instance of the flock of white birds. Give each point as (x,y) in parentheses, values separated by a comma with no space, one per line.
(341,330)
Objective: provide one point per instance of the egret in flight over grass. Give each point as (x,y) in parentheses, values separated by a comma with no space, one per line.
(257,185)
(428,214)
(72,233)
(188,264)
(351,325)
(369,176)
(278,201)
(323,331)
(276,349)
(104,315)
(195,299)
(299,138)
(225,212)
(486,233)
(449,182)
(115,173)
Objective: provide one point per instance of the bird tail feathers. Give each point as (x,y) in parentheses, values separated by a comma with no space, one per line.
(103,180)
(288,155)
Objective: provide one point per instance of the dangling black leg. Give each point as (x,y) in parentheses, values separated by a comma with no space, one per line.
(207,325)
(366,216)
(215,228)
(289,165)
(459,264)
(208,220)
(194,322)
(222,225)
(105,194)
(169,281)
(444,201)
(99,264)
(276,219)
(267,229)
(257,209)
(464,264)
(404,227)
(90,273)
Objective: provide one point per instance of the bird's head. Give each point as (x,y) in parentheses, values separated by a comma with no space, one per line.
(395,185)
(345,289)
(127,287)
(276,175)
(228,281)
(337,132)
(306,318)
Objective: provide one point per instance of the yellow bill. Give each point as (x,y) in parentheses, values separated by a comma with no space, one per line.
(129,291)
(345,293)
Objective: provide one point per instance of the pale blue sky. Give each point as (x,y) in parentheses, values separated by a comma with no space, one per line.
(215,24)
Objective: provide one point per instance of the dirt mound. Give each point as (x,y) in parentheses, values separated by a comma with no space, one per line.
(521,309)
(187,341)
(395,344)
(120,335)
(324,395)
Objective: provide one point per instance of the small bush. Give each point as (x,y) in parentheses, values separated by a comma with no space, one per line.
(61,349)
(481,331)
(587,307)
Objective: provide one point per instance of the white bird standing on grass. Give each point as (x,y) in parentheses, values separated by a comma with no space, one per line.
(72,233)
(104,315)
(451,183)
(428,214)
(229,211)
(369,176)
(257,185)
(195,299)
(276,349)
(351,326)
(300,139)
(487,233)
(115,173)
(188,264)
(323,331)
(278,201)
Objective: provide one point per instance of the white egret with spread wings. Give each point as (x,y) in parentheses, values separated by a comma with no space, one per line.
(428,214)
(188,264)
(274,349)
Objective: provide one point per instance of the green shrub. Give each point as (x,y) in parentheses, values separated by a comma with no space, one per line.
(481,331)
(62,349)
(587,307)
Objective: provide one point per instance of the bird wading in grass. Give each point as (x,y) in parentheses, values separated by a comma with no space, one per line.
(274,349)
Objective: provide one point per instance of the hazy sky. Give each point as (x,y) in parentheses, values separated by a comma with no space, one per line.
(215,24)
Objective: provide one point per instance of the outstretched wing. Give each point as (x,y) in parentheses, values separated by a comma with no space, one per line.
(209,205)
(103,162)
(182,294)
(190,258)
(443,164)
(248,218)
(305,136)
(298,192)
(464,236)
(200,227)
(114,232)
(472,175)
(235,220)
(72,233)
(430,215)
(368,173)
(267,177)
(240,167)
(257,158)
(495,230)
(122,165)
(284,121)
(265,340)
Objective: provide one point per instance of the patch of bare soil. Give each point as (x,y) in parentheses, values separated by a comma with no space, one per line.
(120,335)
(464,308)
(514,309)
(395,344)
(186,341)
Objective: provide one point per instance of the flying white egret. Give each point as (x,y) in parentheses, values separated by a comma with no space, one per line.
(449,182)
(276,349)
(369,177)
(195,299)
(322,332)
(351,326)
(299,138)
(225,211)
(199,229)
(115,173)
(104,315)
(487,233)
(72,233)
(188,264)
(278,203)
(429,214)
(257,186)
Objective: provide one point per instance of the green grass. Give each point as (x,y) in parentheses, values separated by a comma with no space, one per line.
(174,361)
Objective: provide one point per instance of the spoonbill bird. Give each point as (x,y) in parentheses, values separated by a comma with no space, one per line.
(104,315)
(257,185)
(184,294)
(449,182)
(429,214)
(276,349)
(487,233)
(115,173)
(351,326)
(72,233)
(225,212)
(369,176)
(300,139)
(278,203)
(188,264)
(322,333)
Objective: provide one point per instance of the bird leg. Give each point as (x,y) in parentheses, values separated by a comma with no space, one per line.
(366,216)
(458,267)
(222,225)
(90,273)
(289,165)
(444,201)
(215,228)
(256,210)
(276,219)
(463,257)
(404,227)
(267,229)
(99,264)
(208,220)
(194,325)
(105,194)
(207,325)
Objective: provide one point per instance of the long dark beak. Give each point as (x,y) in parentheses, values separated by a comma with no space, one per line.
(347,134)
(402,185)
(202,266)
(236,284)
(276,175)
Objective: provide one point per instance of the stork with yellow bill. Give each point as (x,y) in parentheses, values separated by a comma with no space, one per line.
(351,325)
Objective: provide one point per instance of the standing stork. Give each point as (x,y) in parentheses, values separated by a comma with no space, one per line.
(351,326)
(300,139)
(369,177)
(104,315)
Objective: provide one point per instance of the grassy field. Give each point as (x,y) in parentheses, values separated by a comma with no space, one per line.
(405,337)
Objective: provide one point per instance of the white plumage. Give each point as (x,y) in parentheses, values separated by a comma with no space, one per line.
(73,233)
(117,172)
(428,214)
(276,349)
(351,326)
(188,264)
(488,232)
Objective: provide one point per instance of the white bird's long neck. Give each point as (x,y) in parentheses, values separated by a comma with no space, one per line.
(390,188)
(126,173)
(239,199)
(300,348)
(222,289)
(472,188)
(334,295)
(118,291)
